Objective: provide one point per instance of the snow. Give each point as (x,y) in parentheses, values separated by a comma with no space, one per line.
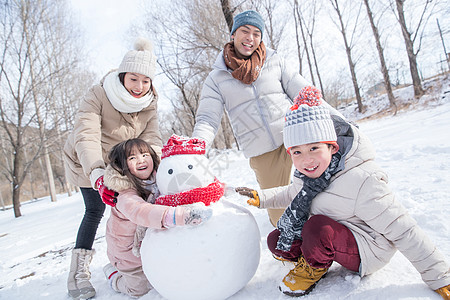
(412,146)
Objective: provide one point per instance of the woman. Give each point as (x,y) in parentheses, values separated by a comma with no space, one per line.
(122,106)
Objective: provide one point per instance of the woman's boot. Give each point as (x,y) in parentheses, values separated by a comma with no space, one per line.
(78,284)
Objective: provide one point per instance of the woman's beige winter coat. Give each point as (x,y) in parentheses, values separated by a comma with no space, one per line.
(98,127)
(359,198)
(131,210)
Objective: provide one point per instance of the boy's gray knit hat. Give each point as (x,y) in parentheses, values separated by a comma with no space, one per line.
(249,17)
(308,121)
(141,60)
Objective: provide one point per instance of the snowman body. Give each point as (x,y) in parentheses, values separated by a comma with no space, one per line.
(213,260)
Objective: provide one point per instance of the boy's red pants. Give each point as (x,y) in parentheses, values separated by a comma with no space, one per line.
(323,241)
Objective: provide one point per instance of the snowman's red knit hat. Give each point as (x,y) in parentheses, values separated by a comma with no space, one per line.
(183,145)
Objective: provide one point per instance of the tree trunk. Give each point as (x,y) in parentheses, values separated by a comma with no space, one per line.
(51,179)
(417,84)
(351,64)
(16,182)
(384,69)
(3,201)
(308,58)
(299,52)
(443,45)
(227,13)
(16,202)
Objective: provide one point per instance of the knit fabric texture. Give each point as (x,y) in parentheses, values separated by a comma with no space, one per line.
(141,60)
(308,121)
(207,195)
(182,145)
(249,17)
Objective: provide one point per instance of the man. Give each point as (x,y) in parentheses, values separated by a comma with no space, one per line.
(256,87)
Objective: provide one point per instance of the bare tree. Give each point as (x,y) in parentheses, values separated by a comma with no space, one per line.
(297,38)
(414,31)
(274,25)
(301,23)
(409,44)
(28,27)
(14,103)
(306,15)
(33,42)
(348,49)
(443,45)
(384,69)
(186,53)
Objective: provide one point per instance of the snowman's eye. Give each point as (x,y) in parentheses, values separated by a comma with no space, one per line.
(170,171)
(190,167)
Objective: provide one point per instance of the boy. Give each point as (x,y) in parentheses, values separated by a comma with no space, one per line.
(340,207)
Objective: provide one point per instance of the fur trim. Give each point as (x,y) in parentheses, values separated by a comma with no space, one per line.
(115,181)
(143,44)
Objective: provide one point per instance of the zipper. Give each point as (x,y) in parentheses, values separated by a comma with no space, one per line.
(266,124)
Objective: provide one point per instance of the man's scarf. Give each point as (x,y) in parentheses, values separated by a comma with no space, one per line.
(245,70)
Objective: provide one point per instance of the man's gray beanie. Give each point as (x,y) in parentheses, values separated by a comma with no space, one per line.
(249,17)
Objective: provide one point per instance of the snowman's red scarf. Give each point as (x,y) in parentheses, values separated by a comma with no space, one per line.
(211,193)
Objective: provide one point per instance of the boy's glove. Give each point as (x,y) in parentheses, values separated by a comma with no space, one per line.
(180,216)
(444,292)
(108,196)
(252,194)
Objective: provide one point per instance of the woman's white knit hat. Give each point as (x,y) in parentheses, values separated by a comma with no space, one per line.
(141,60)
(308,121)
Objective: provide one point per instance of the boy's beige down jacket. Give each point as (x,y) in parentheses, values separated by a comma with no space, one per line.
(131,210)
(98,127)
(359,198)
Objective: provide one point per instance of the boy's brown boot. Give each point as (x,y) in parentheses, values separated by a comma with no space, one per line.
(301,279)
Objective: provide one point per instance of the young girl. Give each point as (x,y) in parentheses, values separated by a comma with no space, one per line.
(340,207)
(131,172)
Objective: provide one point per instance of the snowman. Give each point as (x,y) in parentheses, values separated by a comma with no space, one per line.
(213,260)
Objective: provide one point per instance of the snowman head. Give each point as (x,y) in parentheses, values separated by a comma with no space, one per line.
(183,166)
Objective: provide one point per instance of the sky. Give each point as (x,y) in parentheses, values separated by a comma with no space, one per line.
(35,248)
(106,23)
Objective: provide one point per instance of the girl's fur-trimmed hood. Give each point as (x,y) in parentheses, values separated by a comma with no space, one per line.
(115,181)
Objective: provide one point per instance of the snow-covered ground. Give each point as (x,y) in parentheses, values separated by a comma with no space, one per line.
(413,147)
